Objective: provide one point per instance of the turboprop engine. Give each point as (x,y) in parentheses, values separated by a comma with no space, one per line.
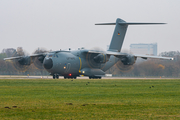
(125,63)
(101,58)
(22,64)
(128,60)
(24,60)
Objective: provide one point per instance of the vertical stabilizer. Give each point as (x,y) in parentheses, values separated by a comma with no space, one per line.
(118,36)
(120,32)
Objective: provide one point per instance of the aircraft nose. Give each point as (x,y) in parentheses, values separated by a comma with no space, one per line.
(48,63)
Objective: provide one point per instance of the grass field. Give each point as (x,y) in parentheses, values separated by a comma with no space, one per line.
(89,99)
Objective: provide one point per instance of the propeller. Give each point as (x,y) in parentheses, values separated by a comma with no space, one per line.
(38,61)
(96,60)
(21,64)
(123,68)
(125,64)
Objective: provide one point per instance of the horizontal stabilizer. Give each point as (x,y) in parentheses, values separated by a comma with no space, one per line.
(127,23)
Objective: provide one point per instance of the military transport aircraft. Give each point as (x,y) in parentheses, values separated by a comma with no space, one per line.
(91,63)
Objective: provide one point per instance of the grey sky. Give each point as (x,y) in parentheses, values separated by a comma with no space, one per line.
(60,24)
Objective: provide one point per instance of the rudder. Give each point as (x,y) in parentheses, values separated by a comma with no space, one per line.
(118,36)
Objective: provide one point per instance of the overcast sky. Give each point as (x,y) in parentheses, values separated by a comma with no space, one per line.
(62,24)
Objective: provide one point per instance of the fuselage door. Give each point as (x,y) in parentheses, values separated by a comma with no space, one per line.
(68,67)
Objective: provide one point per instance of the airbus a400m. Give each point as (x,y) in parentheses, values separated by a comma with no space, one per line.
(91,63)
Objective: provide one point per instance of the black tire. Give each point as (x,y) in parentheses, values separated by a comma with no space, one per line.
(54,76)
(65,77)
(57,76)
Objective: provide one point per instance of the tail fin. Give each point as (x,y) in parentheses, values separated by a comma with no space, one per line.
(120,32)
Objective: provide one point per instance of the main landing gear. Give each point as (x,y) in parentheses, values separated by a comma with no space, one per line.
(94,77)
(55,76)
(69,77)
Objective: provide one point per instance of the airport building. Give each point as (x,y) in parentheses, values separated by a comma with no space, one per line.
(144,49)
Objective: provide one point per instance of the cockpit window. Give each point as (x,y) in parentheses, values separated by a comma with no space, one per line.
(50,56)
(55,56)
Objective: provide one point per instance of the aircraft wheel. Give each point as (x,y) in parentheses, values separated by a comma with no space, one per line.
(57,76)
(54,76)
(90,77)
(74,77)
(65,77)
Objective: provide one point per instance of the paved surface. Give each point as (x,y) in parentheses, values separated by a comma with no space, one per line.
(50,77)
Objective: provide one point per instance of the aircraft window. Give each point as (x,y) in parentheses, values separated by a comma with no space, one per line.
(50,55)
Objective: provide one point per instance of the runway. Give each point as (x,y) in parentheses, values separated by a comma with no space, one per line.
(83,77)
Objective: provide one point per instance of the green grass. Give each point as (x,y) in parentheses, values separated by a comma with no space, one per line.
(91,99)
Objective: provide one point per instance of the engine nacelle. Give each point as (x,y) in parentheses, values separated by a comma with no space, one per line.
(25,60)
(41,58)
(101,58)
(128,60)
(38,62)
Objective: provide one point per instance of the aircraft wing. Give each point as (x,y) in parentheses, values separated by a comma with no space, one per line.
(119,54)
(33,55)
(107,52)
(155,57)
